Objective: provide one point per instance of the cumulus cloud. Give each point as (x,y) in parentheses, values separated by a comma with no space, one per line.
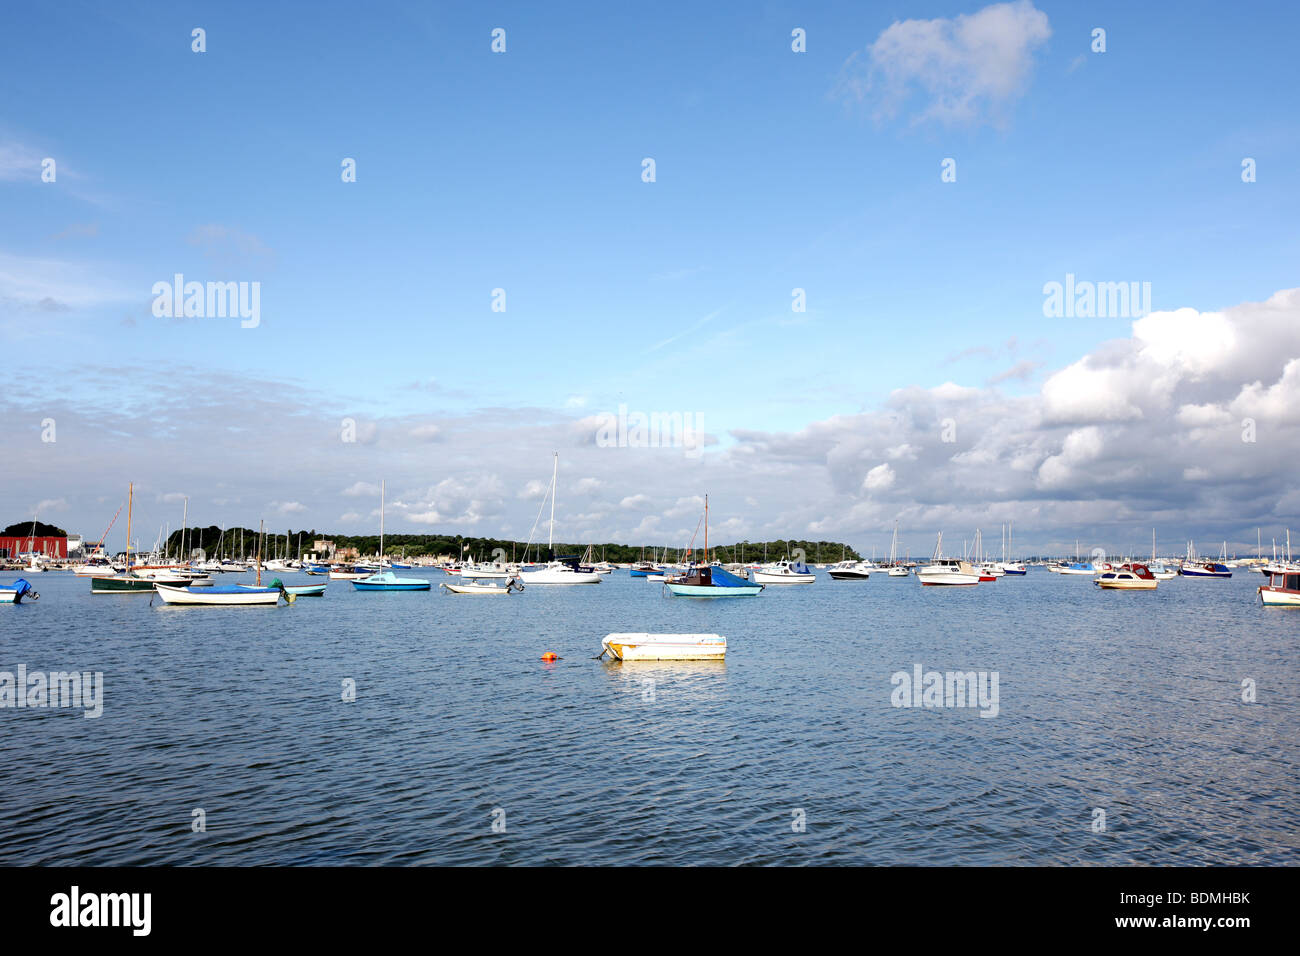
(965,70)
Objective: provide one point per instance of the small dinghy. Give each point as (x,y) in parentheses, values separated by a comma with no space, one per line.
(388,581)
(237,596)
(665,647)
(483,586)
(14,593)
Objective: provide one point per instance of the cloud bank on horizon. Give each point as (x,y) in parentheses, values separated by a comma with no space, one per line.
(1190,423)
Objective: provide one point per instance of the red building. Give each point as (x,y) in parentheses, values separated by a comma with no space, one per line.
(12,547)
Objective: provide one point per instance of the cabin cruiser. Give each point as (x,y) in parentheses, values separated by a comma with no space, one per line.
(850,571)
(948,571)
(1128,577)
(784,572)
(1282,590)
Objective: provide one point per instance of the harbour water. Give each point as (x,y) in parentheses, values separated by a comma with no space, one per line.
(463,747)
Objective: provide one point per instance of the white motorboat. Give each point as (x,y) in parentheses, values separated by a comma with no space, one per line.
(899,571)
(1282,590)
(665,647)
(784,572)
(947,571)
(95,569)
(15,592)
(850,571)
(1127,577)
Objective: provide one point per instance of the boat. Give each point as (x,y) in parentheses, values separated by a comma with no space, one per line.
(896,569)
(1076,567)
(709,580)
(126,582)
(558,571)
(784,572)
(943,571)
(476,585)
(665,647)
(1207,569)
(14,593)
(240,595)
(388,581)
(1127,577)
(849,571)
(350,573)
(1282,590)
(297,590)
(1012,567)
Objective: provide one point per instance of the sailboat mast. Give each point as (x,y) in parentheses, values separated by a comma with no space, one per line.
(381,520)
(706,529)
(555,474)
(130,504)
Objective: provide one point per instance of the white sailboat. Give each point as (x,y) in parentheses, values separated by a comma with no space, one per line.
(556,572)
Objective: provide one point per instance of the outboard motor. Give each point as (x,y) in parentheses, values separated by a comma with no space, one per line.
(24,588)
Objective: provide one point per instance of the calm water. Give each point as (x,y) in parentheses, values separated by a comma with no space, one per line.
(1126,702)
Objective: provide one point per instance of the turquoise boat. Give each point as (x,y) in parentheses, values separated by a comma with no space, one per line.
(711,582)
(297,590)
(388,581)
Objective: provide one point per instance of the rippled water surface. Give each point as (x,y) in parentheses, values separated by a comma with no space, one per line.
(1131,703)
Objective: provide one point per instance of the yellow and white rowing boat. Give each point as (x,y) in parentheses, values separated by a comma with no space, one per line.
(666,647)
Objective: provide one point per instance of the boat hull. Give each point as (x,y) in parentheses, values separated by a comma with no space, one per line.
(364,586)
(666,647)
(710,591)
(947,579)
(120,586)
(1277,597)
(770,577)
(849,575)
(556,576)
(219,597)
(480,589)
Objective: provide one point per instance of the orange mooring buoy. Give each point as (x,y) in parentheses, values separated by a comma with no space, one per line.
(550,656)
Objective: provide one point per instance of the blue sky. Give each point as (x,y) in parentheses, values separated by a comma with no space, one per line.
(522,171)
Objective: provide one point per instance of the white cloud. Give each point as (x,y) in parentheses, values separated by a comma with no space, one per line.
(878,478)
(967,69)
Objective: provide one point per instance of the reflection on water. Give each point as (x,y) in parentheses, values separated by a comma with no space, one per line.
(1126,702)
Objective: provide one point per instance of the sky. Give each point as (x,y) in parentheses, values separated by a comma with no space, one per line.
(837,272)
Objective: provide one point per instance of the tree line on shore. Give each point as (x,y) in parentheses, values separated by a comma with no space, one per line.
(243,543)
